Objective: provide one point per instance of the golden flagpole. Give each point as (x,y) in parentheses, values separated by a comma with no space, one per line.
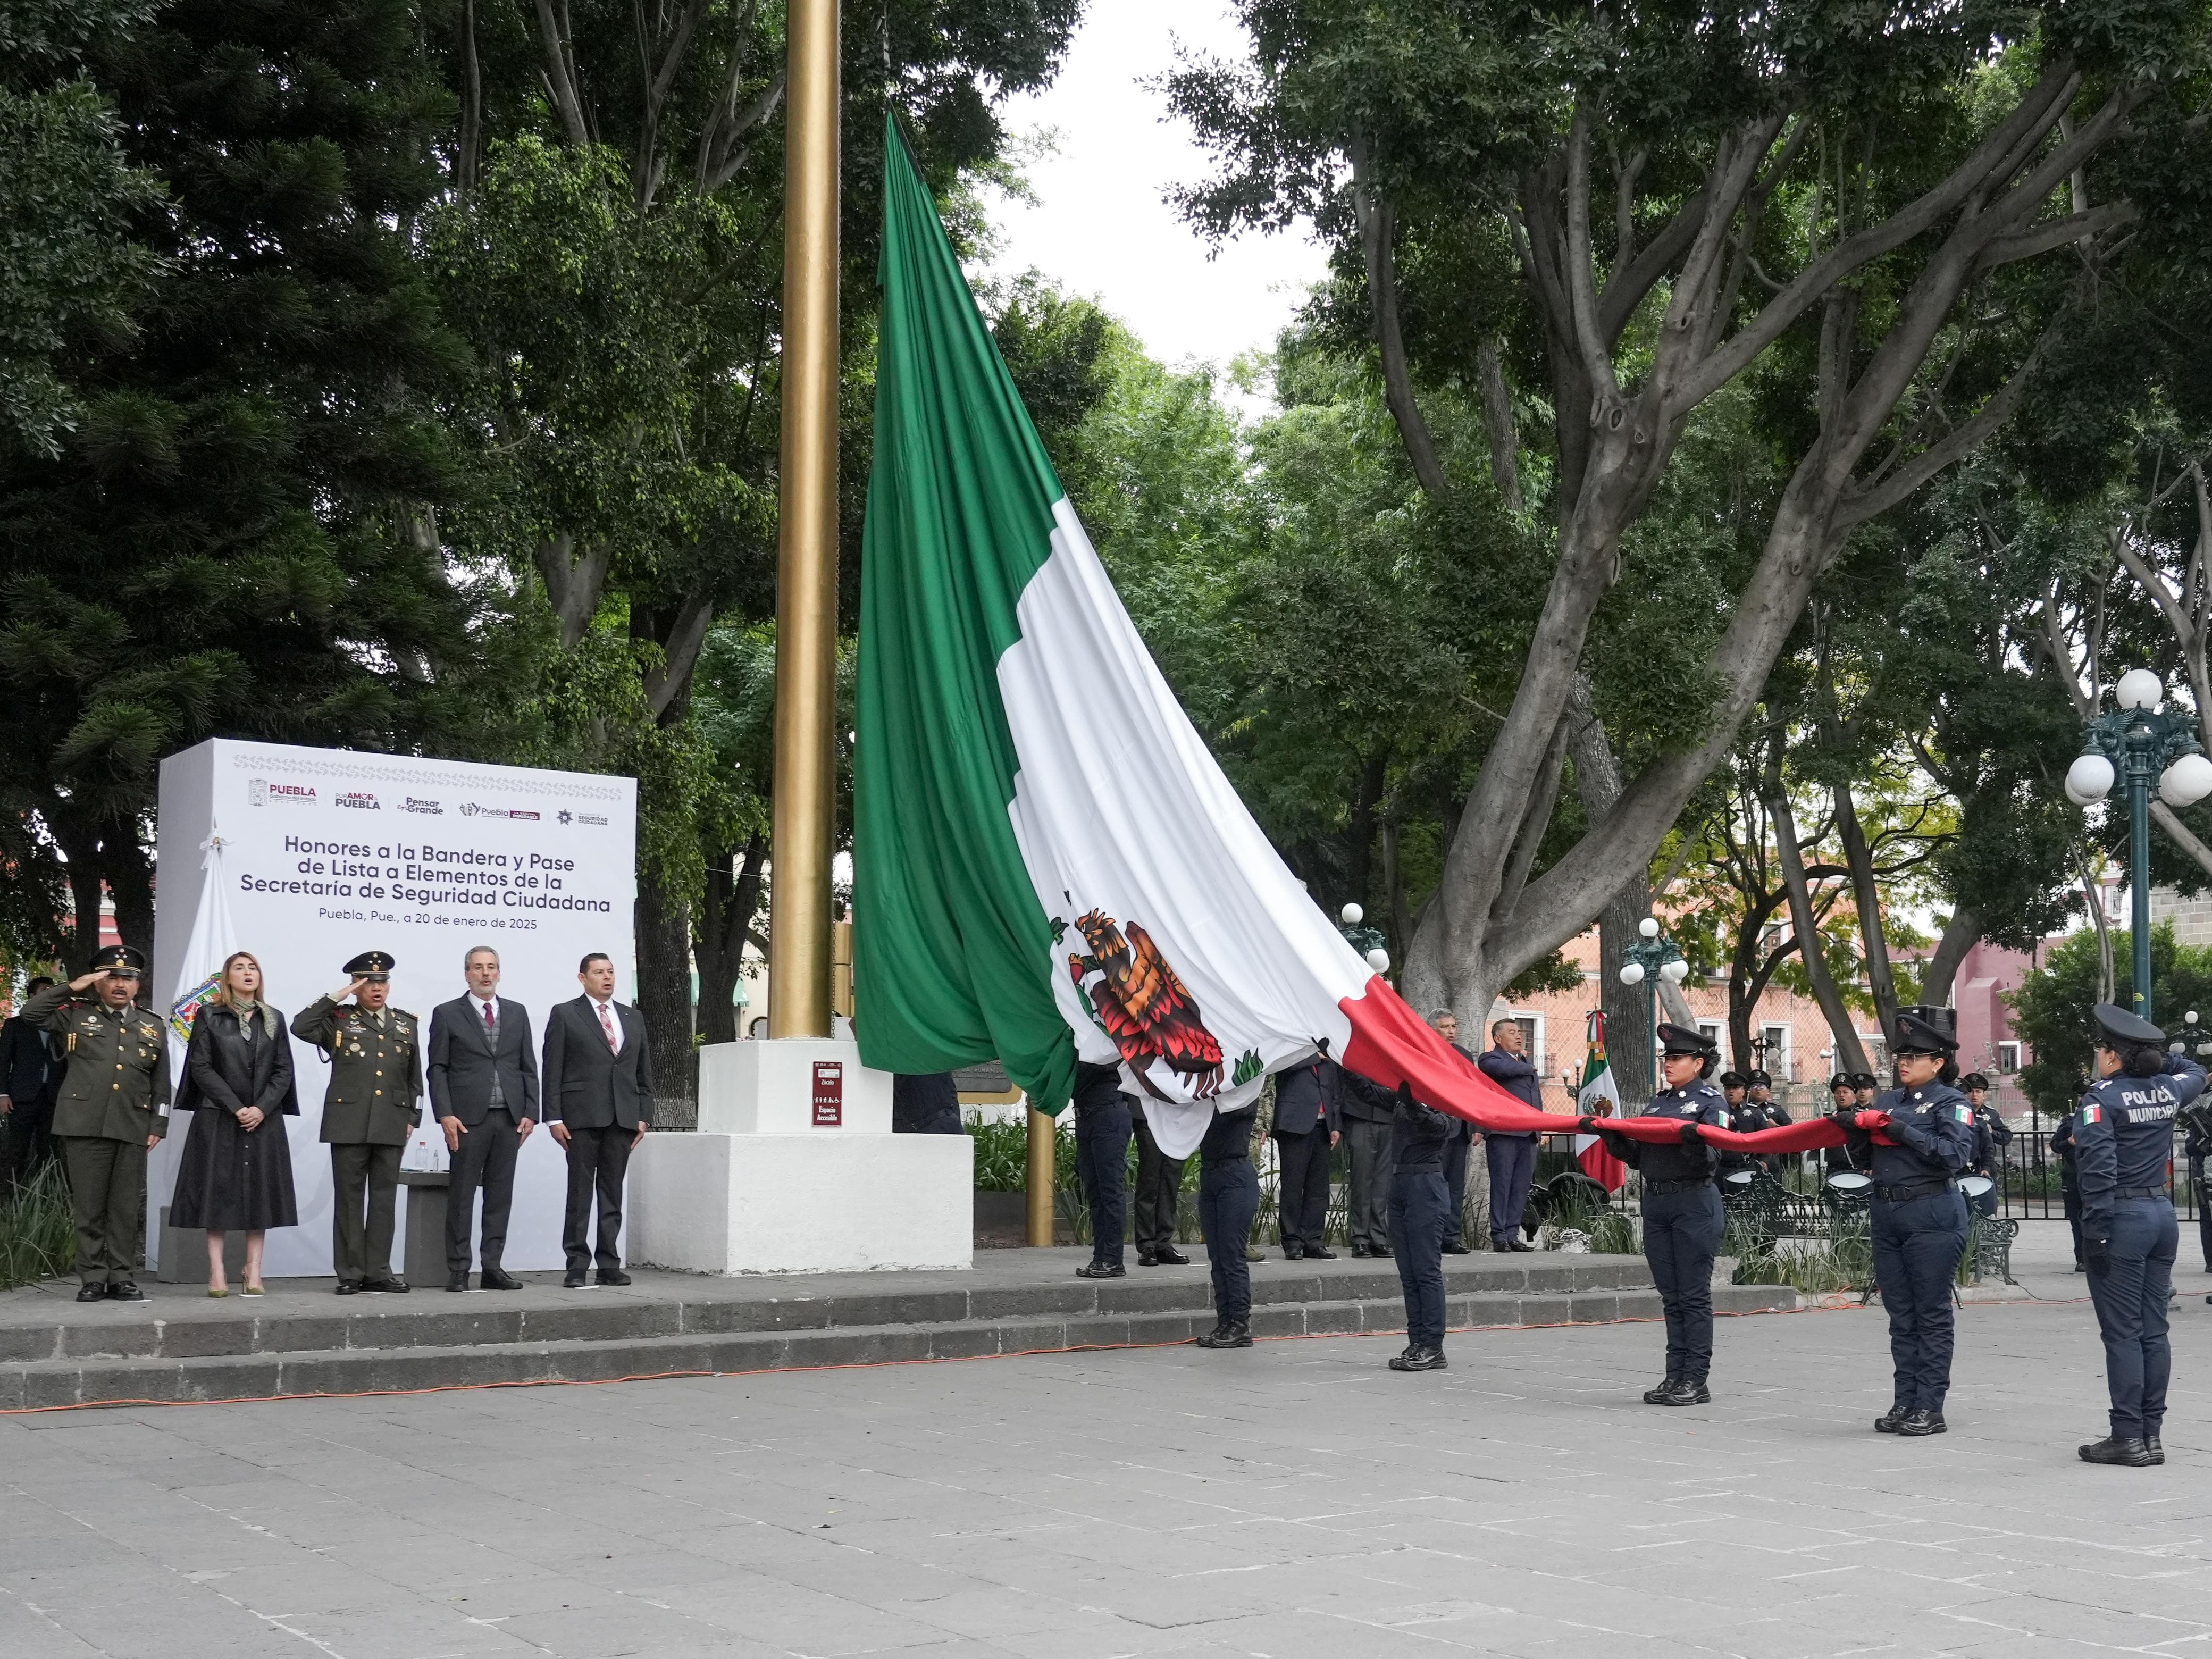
(799,941)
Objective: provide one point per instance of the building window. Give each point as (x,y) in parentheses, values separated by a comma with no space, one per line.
(2007,1057)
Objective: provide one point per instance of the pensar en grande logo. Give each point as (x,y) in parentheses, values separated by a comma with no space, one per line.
(261,793)
(359,800)
(413,804)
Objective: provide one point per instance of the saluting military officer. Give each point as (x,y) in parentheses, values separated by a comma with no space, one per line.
(2123,1139)
(109,1113)
(376,1055)
(1922,1136)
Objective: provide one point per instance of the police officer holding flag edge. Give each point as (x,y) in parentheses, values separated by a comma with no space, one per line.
(1919,1137)
(1682,1217)
(2123,1137)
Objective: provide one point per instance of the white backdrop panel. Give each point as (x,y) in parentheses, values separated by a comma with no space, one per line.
(329,852)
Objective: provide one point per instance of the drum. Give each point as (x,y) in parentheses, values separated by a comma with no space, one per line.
(1851,1183)
(1738,1179)
(1974,1186)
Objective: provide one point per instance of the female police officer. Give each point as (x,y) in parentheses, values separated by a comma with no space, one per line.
(1682,1217)
(1923,1135)
(2122,1139)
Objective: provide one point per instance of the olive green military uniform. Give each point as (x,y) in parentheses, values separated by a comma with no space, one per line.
(368,1111)
(112,1093)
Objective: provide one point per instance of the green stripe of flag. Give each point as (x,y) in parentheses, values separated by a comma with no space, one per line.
(952,954)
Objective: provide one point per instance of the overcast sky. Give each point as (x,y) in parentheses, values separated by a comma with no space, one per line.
(1100,226)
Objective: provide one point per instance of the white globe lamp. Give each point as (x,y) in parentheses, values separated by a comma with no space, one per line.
(1351,915)
(1649,928)
(1674,972)
(2088,780)
(1379,960)
(1632,973)
(2187,781)
(2139,689)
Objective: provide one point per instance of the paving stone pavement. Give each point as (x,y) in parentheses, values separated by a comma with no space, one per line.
(1296,1499)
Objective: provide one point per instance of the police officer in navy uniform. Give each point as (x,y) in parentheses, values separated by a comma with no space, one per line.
(1918,1138)
(2122,1139)
(1742,1116)
(1682,1219)
(1992,1134)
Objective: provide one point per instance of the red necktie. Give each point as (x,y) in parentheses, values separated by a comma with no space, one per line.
(491,1026)
(607,1024)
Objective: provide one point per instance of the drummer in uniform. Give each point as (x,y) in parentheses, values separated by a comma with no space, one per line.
(1992,1134)
(376,1055)
(109,1113)
(2123,1142)
(1919,1138)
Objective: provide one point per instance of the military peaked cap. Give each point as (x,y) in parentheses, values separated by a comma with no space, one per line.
(118,960)
(1681,1040)
(1924,1029)
(370,964)
(2117,1028)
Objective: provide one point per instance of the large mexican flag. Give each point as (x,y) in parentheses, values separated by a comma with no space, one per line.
(1047,863)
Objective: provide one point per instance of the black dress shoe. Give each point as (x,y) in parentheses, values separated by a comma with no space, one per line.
(1922,1421)
(573,1280)
(1228,1333)
(2157,1450)
(1688,1391)
(1360,1253)
(92,1292)
(1453,1247)
(1657,1396)
(2128,1454)
(1315,1253)
(1501,1246)
(385,1286)
(1146,1259)
(613,1276)
(348,1287)
(1889,1421)
(1171,1257)
(125,1289)
(1101,1270)
(1294,1251)
(1381,1253)
(457,1281)
(498,1279)
(1520,1246)
(1420,1359)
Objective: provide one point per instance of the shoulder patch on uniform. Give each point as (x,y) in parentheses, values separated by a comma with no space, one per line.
(2093,1113)
(1965,1114)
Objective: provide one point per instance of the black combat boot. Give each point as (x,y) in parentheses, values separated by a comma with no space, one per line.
(1688,1391)
(2128,1454)
(1228,1333)
(1419,1357)
(2156,1450)
(1658,1396)
(1923,1421)
(1891,1420)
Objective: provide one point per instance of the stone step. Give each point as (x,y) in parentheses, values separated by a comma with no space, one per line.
(351,1369)
(302,1316)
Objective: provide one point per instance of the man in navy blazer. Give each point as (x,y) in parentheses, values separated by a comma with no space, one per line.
(598,1103)
(484,1087)
(1512,1157)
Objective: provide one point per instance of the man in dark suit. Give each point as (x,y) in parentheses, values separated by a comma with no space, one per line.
(1456,1142)
(484,1087)
(30,1081)
(1368,1110)
(599,1103)
(1309,1122)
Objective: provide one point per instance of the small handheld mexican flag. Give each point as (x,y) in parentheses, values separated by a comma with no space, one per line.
(1601,1096)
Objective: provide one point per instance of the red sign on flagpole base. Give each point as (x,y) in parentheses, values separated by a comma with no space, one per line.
(828,1094)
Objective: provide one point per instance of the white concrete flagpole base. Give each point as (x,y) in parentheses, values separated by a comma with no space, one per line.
(795,1170)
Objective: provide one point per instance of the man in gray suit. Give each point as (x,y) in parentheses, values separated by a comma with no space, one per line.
(484,1087)
(598,1103)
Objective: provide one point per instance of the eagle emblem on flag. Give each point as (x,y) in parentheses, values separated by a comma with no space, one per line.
(1142,1004)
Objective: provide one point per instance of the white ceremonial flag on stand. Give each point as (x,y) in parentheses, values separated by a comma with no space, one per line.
(213,938)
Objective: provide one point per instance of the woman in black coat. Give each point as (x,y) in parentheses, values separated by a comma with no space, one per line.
(236,1170)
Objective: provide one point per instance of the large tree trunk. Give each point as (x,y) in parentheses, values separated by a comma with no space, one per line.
(664,994)
(1866,898)
(1850,1056)
(130,883)
(1942,971)
(720,931)
(1628,1023)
